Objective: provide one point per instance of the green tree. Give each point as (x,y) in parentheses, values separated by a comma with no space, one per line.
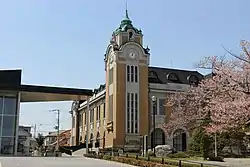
(40,140)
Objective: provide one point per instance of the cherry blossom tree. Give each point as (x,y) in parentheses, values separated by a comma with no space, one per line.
(224,98)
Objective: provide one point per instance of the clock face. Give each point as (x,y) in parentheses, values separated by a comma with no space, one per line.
(132,55)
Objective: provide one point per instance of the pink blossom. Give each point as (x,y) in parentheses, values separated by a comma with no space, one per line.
(224,98)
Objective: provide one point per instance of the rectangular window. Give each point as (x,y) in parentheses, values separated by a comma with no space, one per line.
(104,110)
(99,112)
(96,114)
(132,112)
(91,115)
(8,125)
(110,116)
(161,106)
(136,113)
(132,73)
(111,76)
(128,112)
(80,119)
(128,73)
(136,74)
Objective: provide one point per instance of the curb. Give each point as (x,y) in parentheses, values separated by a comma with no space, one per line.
(112,162)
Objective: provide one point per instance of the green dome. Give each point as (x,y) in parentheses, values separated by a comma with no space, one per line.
(126,24)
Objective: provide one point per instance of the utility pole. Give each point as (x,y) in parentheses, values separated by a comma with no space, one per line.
(57,127)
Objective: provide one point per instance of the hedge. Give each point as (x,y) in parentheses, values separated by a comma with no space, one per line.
(142,161)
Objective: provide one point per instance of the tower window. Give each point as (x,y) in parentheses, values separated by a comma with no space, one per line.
(132,74)
(136,74)
(128,73)
(128,113)
(130,34)
(136,113)
(132,113)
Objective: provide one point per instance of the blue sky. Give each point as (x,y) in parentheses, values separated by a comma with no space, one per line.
(62,43)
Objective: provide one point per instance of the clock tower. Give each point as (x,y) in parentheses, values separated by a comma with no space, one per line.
(126,66)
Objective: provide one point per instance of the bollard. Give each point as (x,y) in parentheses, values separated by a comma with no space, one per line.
(136,157)
(162,160)
(179,163)
(201,164)
(110,153)
(127,155)
(148,158)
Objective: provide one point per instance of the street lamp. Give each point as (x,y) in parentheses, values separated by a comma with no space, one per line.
(153,98)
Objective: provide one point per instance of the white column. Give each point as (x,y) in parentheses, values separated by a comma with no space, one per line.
(17,123)
(87,126)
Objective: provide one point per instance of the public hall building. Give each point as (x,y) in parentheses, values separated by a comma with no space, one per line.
(121,109)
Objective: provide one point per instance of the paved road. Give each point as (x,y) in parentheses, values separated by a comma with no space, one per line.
(55,162)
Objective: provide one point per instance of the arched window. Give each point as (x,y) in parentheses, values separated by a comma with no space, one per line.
(180,140)
(159,137)
(173,77)
(152,74)
(97,143)
(193,79)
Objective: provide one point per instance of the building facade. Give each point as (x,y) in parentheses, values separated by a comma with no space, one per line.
(24,141)
(13,92)
(121,110)
(51,139)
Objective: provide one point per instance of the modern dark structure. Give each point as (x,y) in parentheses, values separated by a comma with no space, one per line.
(12,93)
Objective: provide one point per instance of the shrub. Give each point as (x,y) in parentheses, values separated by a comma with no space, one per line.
(141,161)
(179,155)
(150,153)
(218,158)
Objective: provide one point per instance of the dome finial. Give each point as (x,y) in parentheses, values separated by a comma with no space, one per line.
(127,10)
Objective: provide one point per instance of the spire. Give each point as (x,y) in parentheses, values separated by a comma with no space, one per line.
(126,16)
(126,24)
(126,20)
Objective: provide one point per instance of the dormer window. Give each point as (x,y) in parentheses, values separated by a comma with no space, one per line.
(193,79)
(172,77)
(152,74)
(130,35)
